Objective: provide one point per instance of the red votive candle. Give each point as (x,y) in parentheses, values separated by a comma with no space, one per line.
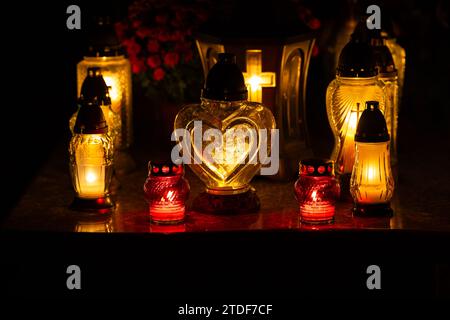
(166,191)
(317,190)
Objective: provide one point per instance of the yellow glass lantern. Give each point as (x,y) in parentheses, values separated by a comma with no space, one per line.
(372,183)
(105,52)
(399,56)
(387,73)
(356,82)
(91,153)
(274,54)
(94,89)
(233,123)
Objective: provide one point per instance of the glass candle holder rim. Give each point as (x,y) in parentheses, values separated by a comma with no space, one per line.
(105,58)
(162,169)
(316,164)
(357,79)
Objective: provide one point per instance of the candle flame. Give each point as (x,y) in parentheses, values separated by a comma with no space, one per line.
(314,195)
(91,177)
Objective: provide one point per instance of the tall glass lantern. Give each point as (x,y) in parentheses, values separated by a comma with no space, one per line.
(105,52)
(91,154)
(356,82)
(274,53)
(399,56)
(372,183)
(387,73)
(95,90)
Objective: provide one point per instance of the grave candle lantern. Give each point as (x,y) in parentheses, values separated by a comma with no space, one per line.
(356,82)
(274,54)
(372,183)
(166,191)
(387,73)
(105,52)
(91,153)
(225,117)
(316,191)
(94,89)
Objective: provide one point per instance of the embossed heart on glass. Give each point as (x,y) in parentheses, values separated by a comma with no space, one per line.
(226,142)
(222,135)
(224,151)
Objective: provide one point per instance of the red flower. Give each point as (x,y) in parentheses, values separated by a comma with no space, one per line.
(133,48)
(137,65)
(154,61)
(152,46)
(171,59)
(314,23)
(159,74)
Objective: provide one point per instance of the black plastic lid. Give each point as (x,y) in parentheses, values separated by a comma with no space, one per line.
(103,40)
(164,169)
(357,57)
(94,88)
(372,125)
(382,55)
(90,120)
(225,81)
(316,167)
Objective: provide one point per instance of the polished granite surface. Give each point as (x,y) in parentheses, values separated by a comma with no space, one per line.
(421,202)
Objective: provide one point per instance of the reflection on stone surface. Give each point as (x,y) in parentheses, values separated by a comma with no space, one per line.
(95,224)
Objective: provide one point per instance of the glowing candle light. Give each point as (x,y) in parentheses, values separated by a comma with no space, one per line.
(255,79)
(356,82)
(166,191)
(317,190)
(105,52)
(372,184)
(91,159)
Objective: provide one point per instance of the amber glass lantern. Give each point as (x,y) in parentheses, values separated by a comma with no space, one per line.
(105,52)
(372,183)
(274,53)
(224,109)
(356,82)
(399,56)
(166,191)
(95,90)
(387,73)
(91,154)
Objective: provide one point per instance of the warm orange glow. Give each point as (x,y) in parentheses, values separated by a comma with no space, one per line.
(372,181)
(114,90)
(116,72)
(90,167)
(348,149)
(345,97)
(255,79)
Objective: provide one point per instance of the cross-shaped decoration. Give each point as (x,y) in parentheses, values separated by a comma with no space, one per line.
(255,79)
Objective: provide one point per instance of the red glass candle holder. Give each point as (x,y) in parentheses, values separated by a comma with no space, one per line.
(317,190)
(166,191)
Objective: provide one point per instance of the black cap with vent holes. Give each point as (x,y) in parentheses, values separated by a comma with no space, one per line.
(225,81)
(372,125)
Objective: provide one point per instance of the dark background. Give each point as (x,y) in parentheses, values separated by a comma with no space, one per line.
(40,57)
(39,79)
